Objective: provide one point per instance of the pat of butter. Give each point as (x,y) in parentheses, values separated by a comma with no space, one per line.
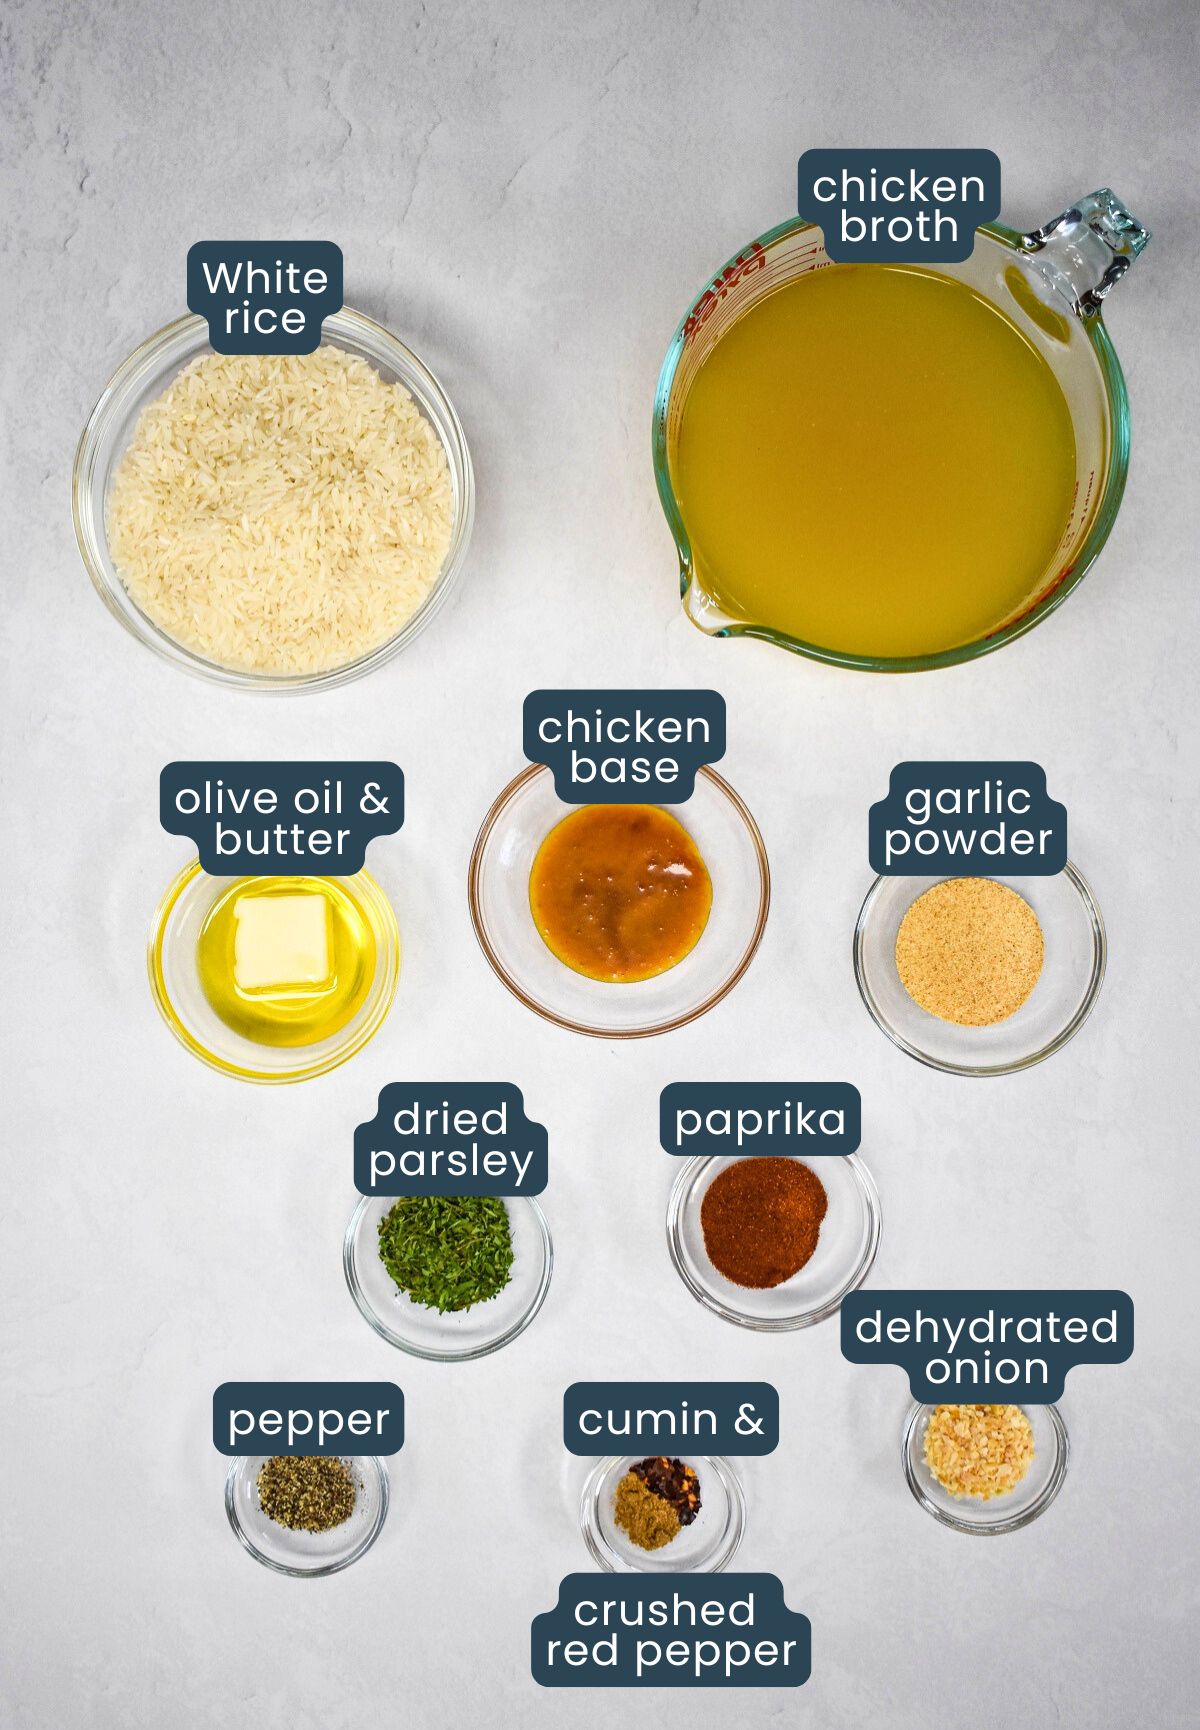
(280,940)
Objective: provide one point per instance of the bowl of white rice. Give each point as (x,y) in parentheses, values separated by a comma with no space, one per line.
(274,522)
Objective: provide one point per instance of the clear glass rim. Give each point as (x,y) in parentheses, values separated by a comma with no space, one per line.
(997,1528)
(429,1353)
(474,875)
(387,963)
(449,429)
(367,1462)
(600,1550)
(772,1324)
(1086,1004)
(1112,490)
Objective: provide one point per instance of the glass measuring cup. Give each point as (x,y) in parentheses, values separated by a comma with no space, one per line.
(1050,284)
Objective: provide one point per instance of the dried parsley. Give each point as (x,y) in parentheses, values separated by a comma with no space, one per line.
(307,1492)
(447,1251)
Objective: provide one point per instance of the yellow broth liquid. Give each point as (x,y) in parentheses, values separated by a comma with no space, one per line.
(874,460)
(288,1013)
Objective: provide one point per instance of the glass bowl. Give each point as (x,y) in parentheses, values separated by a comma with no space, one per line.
(460,1334)
(707,1545)
(1054,1011)
(306,1555)
(1032,1496)
(144,376)
(175,983)
(1051,285)
(846,1247)
(498,889)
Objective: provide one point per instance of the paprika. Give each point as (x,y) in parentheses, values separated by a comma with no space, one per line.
(761,1218)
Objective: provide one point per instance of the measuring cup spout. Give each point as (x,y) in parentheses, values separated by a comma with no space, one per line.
(705,613)
(1085,252)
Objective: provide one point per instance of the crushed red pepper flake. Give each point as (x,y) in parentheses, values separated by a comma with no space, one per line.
(674,1482)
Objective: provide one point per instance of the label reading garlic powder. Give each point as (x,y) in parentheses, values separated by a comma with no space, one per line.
(759,1117)
(609,747)
(987,1345)
(264,296)
(962,819)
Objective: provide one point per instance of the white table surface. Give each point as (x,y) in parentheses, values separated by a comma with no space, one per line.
(529,196)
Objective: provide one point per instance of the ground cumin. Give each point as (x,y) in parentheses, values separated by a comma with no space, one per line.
(648,1518)
(761,1219)
(970,951)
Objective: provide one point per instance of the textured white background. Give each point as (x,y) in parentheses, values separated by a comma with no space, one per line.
(530,196)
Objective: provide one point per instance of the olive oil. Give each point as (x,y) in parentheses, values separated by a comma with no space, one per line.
(286,961)
(873,459)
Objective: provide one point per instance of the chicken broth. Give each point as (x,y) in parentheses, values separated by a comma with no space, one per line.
(875,461)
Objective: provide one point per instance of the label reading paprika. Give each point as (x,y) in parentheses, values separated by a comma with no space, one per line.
(757,1117)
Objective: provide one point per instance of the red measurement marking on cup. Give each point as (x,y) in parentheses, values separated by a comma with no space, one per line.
(754,258)
(1059,578)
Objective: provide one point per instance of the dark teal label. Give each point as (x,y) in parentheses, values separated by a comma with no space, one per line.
(308,1418)
(989,1347)
(287,818)
(671,1631)
(755,1117)
(451,1138)
(264,296)
(967,819)
(671,1417)
(898,206)
(614,747)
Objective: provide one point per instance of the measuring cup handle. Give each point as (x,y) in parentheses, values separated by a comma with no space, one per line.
(1087,250)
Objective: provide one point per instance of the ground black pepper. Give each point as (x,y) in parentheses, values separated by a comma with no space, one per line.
(307,1492)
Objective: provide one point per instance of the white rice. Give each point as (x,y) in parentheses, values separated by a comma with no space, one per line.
(281,513)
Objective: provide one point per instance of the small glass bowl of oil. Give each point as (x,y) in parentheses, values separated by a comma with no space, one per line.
(273,979)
